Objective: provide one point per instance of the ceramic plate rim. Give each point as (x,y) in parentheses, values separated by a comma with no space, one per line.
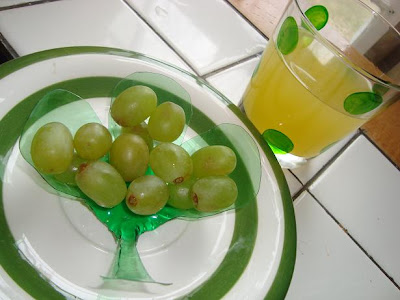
(284,273)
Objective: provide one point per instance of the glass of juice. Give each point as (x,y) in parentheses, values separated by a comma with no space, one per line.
(328,68)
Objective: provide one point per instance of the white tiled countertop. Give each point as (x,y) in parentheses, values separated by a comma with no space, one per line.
(347,201)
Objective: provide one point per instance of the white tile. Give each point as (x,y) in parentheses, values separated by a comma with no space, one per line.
(82,23)
(311,167)
(361,189)
(232,82)
(208,33)
(329,265)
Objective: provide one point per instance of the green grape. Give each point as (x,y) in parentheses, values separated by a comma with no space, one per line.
(134,105)
(213,160)
(52,148)
(179,194)
(171,163)
(102,183)
(140,130)
(166,123)
(129,154)
(92,141)
(147,195)
(213,193)
(69,175)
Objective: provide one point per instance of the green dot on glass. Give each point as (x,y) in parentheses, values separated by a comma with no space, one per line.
(288,36)
(278,141)
(318,16)
(361,102)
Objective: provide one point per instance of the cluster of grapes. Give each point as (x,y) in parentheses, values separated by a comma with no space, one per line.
(199,181)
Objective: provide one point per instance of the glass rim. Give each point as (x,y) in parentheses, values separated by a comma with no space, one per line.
(341,55)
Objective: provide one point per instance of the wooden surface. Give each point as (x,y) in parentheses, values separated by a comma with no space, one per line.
(264,14)
(383,130)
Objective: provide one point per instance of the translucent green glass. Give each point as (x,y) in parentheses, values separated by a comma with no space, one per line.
(71,110)
(57,106)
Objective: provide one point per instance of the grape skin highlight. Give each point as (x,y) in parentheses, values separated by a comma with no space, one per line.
(167,122)
(92,141)
(52,148)
(102,183)
(142,131)
(171,163)
(179,194)
(129,154)
(147,195)
(213,160)
(68,176)
(214,193)
(133,105)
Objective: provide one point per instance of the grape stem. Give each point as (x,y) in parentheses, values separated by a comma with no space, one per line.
(195,200)
(82,167)
(178,180)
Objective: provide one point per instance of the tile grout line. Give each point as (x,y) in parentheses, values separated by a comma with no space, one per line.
(8,47)
(327,165)
(246,19)
(363,133)
(355,241)
(14,53)
(27,4)
(231,65)
(294,197)
(243,60)
(161,37)
(204,76)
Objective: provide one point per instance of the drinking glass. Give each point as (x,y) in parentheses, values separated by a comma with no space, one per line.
(328,68)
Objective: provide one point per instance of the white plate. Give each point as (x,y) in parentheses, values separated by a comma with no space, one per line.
(55,248)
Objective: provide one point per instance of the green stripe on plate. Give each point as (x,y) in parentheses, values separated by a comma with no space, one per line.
(283,277)
(11,127)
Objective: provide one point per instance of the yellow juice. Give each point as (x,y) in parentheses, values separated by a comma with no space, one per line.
(304,102)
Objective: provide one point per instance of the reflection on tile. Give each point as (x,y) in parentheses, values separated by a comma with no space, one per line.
(361,189)
(82,23)
(329,265)
(232,82)
(209,33)
(307,171)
